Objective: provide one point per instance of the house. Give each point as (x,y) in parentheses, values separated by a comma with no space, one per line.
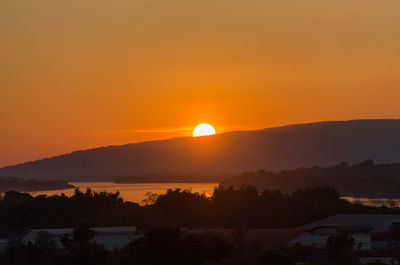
(110,237)
(378,222)
(361,227)
(318,236)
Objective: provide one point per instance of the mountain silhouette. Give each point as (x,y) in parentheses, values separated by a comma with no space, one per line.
(277,148)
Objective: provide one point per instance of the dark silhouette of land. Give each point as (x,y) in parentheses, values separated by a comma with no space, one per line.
(19,184)
(161,219)
(227,208)
(322,144)
(360,180)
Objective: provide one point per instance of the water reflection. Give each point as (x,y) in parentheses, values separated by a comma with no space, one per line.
(133,192)
(375,202)
(137,192)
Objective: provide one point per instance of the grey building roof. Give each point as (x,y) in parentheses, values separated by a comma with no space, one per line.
(352,228)
(378,222)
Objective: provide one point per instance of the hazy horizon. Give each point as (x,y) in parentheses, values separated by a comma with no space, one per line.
(174,137)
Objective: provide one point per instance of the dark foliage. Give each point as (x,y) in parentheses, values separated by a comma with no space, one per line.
(230,208)
(239,209)
(273,257)
(171,246)
(360,180)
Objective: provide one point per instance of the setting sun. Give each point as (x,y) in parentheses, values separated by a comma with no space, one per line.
(203,129)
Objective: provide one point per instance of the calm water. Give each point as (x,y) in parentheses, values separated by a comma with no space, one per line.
(133,192)
(137,192)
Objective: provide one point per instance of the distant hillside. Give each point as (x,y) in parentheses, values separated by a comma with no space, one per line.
(360,180)
(19,184)
(324,143)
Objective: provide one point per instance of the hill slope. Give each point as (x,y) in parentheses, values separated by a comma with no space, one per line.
(364,180)
(323,143)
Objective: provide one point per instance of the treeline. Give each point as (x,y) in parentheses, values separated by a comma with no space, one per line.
(360,180)
(226,208)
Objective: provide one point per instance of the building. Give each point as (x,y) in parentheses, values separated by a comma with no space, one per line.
(319,235)
(378,222)
(361,227)
(370,232)
(110,237)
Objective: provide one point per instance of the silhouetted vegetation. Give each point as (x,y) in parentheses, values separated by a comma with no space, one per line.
(163,216)
(161,246)
(80,249)
(360,180)
(170,246)
(341,246)
(245,207)
(273,257)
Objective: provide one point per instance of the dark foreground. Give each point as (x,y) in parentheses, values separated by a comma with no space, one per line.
(172,247)
(162,221)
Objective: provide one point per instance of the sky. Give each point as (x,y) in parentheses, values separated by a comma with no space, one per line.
(78,74)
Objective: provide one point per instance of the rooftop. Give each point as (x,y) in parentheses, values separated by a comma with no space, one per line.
(352,228)
(378,222)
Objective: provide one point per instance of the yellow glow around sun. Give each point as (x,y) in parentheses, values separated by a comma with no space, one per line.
(203,129)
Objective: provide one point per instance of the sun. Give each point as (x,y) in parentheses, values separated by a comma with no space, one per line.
(203,129)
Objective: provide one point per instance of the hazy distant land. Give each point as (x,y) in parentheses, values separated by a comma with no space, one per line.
(360,180)
(19,184)
(275,149)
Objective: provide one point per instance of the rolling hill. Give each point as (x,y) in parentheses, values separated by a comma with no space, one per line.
(322,144)
(365,180)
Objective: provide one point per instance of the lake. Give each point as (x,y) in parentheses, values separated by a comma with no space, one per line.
(134,192)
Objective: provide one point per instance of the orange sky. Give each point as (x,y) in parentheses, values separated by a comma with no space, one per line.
(84,73)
